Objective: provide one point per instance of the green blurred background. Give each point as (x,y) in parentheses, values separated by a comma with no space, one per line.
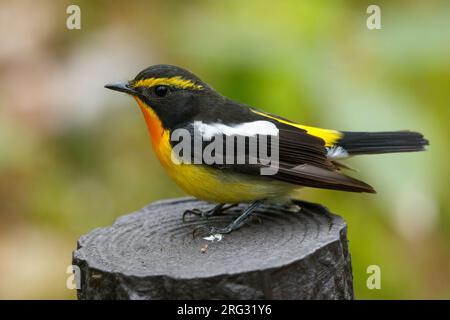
(74,156)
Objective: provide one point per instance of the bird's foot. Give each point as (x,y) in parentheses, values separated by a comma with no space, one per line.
(205,214)
(214,233)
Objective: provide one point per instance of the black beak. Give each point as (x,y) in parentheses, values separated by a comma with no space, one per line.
(121,87)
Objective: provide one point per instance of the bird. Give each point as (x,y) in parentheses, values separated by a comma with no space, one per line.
(173,99)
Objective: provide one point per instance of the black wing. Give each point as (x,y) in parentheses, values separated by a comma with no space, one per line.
(302,159)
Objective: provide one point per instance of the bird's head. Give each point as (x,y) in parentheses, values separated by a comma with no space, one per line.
(171,93)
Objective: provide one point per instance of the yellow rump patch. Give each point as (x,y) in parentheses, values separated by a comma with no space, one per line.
(329,136)
(177,81)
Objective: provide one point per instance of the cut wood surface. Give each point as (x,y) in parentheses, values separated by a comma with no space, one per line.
(282,253)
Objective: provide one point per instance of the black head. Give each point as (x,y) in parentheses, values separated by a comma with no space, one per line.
(173,93)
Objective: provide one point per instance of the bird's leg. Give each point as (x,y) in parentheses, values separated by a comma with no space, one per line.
(236,224)
(220,208)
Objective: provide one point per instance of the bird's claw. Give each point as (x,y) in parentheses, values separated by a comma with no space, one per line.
(221,208)
(198,229)
(195,212)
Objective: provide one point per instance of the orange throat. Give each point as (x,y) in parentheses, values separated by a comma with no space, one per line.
(159,136)
(154,125)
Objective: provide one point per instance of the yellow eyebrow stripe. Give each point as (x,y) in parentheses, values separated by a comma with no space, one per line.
(177,81)
(329,136)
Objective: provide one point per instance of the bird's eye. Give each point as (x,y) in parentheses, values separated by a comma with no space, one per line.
(161,91)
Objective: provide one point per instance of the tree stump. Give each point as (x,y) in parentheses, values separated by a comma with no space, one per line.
(282,253)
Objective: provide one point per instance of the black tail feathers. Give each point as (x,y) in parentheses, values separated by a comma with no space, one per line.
(355,143)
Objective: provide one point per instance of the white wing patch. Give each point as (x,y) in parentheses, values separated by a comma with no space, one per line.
(337,152)
(260,127)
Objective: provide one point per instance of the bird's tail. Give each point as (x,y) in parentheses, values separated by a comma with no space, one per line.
(355,143)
